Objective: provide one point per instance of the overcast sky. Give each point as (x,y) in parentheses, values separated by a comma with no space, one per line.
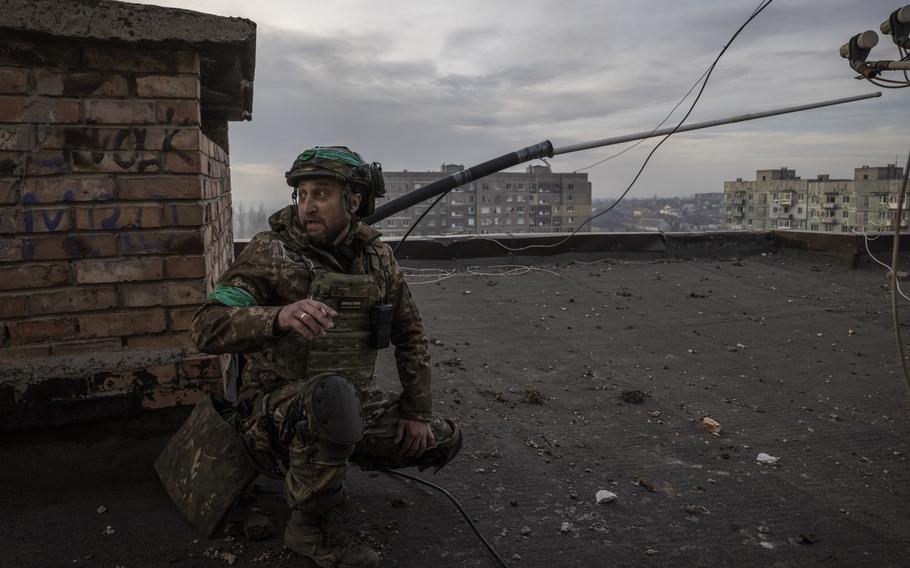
(416,84)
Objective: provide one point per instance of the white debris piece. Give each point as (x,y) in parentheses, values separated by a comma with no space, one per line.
(604,496)
(108,530)
(767,459)
(101,509)
(711,425)
(566,527)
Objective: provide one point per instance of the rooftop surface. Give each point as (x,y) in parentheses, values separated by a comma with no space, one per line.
(792,353)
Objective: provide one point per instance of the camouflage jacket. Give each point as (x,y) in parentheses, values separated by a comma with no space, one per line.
(270,274)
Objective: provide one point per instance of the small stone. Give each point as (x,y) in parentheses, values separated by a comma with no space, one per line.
(525,530)
(516,556)
(565,527)
(766,459)
(108,531)
(258,527)
(711,425)
(651,552)
(101,509)
(603,496)
(806,538)
(466,293)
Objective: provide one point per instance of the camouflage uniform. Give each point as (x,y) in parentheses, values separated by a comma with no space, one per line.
(275,269)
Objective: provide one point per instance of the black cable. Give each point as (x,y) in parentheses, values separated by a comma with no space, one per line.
(414,226)
(457,504)
(662,140)
(661,123)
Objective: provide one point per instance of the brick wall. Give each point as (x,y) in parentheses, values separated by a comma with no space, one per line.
(115,215)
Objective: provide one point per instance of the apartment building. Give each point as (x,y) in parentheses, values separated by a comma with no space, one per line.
(779,199)
(534,201)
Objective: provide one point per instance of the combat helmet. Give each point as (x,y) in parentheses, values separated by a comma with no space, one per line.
(345,165)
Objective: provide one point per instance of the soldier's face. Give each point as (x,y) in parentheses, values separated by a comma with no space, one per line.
(321,208)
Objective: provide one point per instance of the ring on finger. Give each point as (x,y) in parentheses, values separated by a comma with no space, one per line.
(303,315)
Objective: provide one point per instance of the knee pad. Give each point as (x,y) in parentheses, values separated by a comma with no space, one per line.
(335,409)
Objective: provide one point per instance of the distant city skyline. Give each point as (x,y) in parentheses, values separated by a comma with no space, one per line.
(416,84)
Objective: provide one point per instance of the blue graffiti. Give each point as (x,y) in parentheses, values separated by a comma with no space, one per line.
(111,222)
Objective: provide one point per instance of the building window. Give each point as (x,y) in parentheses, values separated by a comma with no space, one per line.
(846,214)
(845,199)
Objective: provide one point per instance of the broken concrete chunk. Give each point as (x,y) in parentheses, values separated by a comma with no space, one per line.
(604,496)
(258,527)
(767,459)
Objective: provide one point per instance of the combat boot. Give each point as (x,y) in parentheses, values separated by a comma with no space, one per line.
(326,542)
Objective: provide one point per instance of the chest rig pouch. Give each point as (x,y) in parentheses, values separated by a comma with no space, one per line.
(350,347)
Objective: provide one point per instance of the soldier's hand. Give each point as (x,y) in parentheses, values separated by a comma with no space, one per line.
(309,318)
(414,437)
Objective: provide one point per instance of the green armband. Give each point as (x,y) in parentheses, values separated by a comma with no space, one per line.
(233,297)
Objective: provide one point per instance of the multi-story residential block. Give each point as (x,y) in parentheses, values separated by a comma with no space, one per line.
(534,201)
(779,199)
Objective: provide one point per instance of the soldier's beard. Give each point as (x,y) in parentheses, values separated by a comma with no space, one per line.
(326,235)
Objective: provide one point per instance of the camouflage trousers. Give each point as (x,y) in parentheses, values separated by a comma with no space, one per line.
(282,441)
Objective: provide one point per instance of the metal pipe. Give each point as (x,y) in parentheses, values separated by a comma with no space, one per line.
(707,124)
(545,149)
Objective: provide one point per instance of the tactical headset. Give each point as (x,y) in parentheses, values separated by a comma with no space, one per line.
(345,165)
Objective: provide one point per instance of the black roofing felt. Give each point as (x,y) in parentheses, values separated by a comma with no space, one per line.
(791,353)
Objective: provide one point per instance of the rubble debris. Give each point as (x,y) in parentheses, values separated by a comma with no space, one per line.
(108,531)
(634,396)
(767,459)
(711,425)
(565,527)
(101,509)
(642,482)
(532,396)
(525,530)
(696,510)
(651,552)
(258,527)
(604,496)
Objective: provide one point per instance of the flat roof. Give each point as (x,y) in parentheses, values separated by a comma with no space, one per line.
(571,374)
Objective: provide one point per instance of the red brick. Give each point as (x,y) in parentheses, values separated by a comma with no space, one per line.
(156,342)
(168,86)
(185,113)
(17,138)
(73,300)
(162,242)
(13,305)
(46,163)
(10,354)
(184,267)
(115,162)
(44,220)
(43,110)
(119,112)
(13,81)
(184,214)
(66,189)
(180,318)
(118,270)
(163,294)
(125,140)
(118,217)
(12,163)
(131,58)
(186,162)
(37,331)
(34,276)
(118,324)
(69,348)
(161,187)
(37,53)
(9,190)
(186,62)
(80,84)
(164,397)
(73,246)
(11,250)
(176,139)
(201,369)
